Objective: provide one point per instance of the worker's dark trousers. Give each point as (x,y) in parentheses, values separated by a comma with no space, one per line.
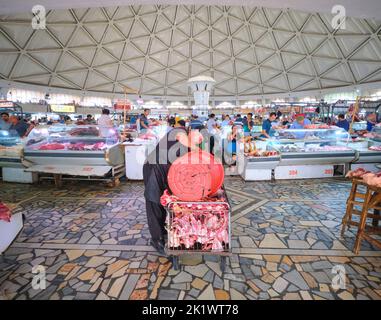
(211,146)
(156,215)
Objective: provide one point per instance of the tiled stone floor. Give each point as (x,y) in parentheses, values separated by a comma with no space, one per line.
(93,242)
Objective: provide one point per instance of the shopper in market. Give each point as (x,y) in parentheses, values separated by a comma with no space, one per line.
(105,119)
(180,124)
(267,126)
(226,122)
(238,120)
(4,121)
(212,130)
(155,175)
(342,122)
(231,147)
(195,123)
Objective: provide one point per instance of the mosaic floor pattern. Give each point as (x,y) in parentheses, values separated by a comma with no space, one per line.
(93,242)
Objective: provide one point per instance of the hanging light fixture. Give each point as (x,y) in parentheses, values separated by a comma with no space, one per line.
(140,101)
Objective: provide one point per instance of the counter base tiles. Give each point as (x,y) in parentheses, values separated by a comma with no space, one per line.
(94,245)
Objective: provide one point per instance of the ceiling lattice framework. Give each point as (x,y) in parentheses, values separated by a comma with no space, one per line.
(250,51)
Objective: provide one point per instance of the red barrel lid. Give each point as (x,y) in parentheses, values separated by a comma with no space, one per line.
(217,171)
(195,176)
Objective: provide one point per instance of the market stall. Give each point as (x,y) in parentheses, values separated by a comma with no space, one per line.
(11,150)
(75,152)
(312,153)
(254,161)
(368,150)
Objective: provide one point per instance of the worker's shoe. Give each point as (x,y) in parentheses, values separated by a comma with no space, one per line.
(159,245)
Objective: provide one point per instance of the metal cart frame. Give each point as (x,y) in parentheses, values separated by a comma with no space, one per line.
(174,254)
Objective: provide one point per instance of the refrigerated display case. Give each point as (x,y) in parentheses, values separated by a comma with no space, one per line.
(11,149)
(368,153)
(312,153)
(84,151)
(256,160)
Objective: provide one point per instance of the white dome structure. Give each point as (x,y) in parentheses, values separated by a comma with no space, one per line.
(251,52)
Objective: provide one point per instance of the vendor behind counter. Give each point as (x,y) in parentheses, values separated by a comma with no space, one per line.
(267,126)
(4,121)
(300,122)
(19,126)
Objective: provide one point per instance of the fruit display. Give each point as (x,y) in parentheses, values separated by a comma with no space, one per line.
(198,226)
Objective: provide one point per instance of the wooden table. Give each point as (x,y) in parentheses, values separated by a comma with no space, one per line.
(370,203)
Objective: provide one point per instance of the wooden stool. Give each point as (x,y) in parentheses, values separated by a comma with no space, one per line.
(372,201)
(354,198)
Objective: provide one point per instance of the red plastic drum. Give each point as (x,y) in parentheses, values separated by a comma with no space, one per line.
(218,174)
(195,176)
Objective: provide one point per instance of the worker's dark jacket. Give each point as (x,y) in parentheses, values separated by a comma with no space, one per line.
(156,167)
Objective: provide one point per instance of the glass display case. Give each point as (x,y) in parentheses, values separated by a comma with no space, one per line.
(313,146)
(368,152)
(256,131)
(72,144)
(11,149)
(359,126)
(375,136)
(255,160)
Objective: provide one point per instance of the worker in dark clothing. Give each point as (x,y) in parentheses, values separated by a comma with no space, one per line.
(155,171)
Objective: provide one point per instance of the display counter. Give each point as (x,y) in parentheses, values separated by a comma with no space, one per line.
(11,150)
(254,161)
(368,152)
(88,151)
(12,162)
(311,153)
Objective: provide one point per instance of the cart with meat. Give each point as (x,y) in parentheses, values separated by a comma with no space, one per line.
(198,210)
